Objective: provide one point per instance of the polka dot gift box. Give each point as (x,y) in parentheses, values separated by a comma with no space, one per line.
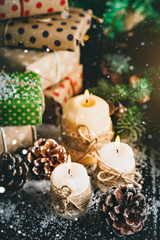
(24,8)
(55,31)
(51,66)
(67,88)
(21,99)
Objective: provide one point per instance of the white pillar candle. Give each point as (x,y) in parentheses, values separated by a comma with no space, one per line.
(119,156)
(77,180)
(75,177)
(88,110)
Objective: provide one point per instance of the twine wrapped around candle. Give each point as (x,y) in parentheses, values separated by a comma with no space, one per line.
(109,177)
(84,146)
(68,204)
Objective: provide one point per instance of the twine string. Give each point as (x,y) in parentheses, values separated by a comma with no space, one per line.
(84,143)
(62,197)
(91,142)
(3,139)
(111,176)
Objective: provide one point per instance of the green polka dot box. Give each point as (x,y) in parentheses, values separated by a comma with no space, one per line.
(21,99)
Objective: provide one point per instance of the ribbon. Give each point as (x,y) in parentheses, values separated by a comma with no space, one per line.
(58,65)
(64,202)
(22,7)
(3,139)
(112,177)
(72,85)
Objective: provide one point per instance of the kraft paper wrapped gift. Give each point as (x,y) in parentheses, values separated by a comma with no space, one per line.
(60,93)
(67,88)
(21,99)
(14,139)
(53,31)
(51,66)
(23,8)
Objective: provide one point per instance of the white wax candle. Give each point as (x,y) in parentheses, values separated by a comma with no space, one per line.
(88,110)
(77,180)
(121,157)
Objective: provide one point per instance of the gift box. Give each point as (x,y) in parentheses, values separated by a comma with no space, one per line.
(21,99)
(60,93)
(67,88)
(53,31)
(15,139)
(51,66)
(23,8)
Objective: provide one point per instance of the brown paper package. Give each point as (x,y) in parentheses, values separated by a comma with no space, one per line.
(15,139)
(52,31)
(51,66)
(23,8)
(60,93)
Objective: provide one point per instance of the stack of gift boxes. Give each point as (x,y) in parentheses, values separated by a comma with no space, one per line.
(40,57)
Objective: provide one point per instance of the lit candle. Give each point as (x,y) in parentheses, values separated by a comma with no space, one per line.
(88,110)
(73,178)
(118,156)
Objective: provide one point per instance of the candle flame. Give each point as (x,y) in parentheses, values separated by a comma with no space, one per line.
(69,164)
(117,143)
(86,95)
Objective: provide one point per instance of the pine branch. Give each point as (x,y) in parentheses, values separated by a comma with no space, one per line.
(140,89)
(118,63)
(118,10)
(131,125)
(119,93)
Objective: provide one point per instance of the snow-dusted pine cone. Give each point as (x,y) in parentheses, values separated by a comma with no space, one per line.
(13,173)
(44,156)
(124,209)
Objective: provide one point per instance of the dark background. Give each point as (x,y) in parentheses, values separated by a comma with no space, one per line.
(28,214)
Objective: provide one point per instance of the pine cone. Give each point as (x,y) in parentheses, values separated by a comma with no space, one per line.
(44,156)
(124,210)
(13,173)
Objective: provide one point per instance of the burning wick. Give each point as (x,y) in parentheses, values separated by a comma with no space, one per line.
(117,143)
(86,95)
(69,165)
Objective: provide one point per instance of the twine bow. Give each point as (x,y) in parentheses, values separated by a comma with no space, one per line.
(64,201)
(85,134)
(84,143)
(112,177)
(62,205)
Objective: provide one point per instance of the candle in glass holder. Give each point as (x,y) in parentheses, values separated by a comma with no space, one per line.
(70,189)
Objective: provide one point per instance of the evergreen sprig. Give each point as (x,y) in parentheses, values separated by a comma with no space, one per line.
(119,63)
(141,88)
(131,125)
(118,10)
(119,93)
